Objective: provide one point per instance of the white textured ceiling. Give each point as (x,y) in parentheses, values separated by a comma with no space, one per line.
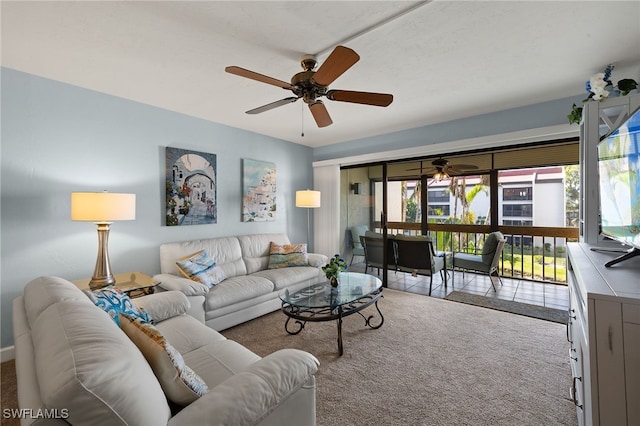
(443,60)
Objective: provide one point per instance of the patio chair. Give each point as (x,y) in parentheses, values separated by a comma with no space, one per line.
(486,263)
(374,253)
(356,245)
(416,256)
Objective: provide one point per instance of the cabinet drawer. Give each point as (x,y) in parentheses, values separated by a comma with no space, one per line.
(631,313)
(632,371)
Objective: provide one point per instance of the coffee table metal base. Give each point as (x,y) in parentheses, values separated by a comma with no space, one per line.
(303,315)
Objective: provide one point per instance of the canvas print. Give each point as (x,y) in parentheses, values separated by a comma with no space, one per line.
(191,196)
(258,191)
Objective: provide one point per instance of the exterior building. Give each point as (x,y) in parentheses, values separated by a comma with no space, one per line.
(526,197)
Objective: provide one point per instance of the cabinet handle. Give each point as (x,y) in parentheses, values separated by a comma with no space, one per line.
(611,338)
(568,324)
(573,392)
(570,354)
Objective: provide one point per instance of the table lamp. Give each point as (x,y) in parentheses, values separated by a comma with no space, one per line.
(102,208)
(308,199)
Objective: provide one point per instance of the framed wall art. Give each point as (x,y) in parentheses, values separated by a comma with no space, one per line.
(191,187)
(258,191)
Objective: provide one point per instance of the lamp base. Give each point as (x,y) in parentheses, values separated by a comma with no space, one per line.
(102,276)
(101,282)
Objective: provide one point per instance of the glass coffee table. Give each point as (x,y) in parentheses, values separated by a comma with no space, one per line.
(322,302)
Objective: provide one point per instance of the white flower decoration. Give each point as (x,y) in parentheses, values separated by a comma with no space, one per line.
(598,84)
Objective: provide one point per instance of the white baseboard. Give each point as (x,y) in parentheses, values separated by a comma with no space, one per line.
(7,354)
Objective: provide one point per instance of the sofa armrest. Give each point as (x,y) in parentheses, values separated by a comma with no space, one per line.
(251,395)
(164,305)
(186,286)
(317,259)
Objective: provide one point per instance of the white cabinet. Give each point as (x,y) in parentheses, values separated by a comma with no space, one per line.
(604,336)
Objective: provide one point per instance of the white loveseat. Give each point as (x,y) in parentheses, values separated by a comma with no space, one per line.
(250,289)
(75,364)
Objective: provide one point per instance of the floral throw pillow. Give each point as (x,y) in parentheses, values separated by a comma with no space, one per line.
(202,268)
(179,382)
(114,301)
(287,255)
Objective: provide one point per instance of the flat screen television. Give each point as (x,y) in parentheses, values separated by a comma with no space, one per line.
(619,180)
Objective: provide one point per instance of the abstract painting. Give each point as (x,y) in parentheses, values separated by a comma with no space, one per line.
(258,191)
(191,187)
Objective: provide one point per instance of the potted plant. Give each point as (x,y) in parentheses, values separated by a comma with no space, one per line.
(333,268)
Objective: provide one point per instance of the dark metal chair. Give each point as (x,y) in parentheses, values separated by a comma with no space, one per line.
(487,262)
(374,253)
(417,257)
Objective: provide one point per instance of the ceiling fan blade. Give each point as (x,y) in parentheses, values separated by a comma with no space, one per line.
(424,170)
(367,98)
(258,77)
(461,167)
(320,114)
(272,105)
(341,59)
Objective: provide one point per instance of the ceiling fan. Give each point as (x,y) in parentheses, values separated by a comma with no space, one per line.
(441,169)
(311,85)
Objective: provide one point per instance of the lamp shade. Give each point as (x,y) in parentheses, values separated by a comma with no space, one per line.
(308,198)
(102,206)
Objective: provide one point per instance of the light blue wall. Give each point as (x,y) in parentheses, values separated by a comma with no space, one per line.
(539,115)
(58,138)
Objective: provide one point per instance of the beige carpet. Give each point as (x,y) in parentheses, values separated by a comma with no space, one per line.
(433,362)
(8,392)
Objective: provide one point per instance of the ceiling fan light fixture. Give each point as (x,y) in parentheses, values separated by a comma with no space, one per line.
(440,175)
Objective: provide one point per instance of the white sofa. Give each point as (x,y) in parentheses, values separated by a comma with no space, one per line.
(74,363)
(250,290)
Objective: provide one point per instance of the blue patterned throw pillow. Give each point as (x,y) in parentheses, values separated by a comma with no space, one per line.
(114,301)
(202,268)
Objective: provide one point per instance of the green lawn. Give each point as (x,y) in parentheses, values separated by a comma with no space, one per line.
(532,267)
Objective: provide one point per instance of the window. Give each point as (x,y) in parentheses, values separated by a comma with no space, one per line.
(438,196)
(517,222)
(517,194)
(517,210)
(439,209)
(519,241)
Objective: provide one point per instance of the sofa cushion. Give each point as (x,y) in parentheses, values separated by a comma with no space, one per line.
(114,301)
(225,250)
(200,267)
(87,365)
(217,361)
(179,382)
(283,278)
(42,292)
(287,255)
(237,289)
(256,249)
(199,334)
(163,305)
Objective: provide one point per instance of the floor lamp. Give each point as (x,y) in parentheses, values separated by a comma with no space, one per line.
(102,208)
(310,200)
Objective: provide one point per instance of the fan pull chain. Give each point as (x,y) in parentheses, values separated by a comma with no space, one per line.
(302,119)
